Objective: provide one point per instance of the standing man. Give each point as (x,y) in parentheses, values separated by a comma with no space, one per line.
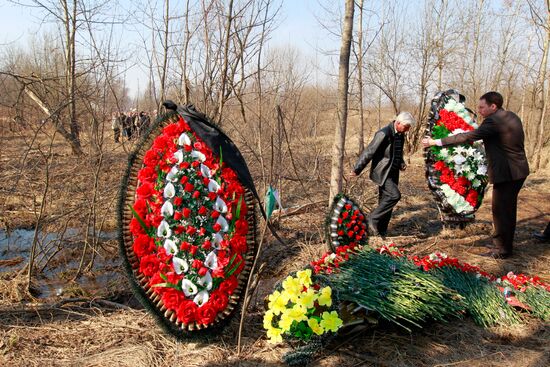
(115,125)
(386,153)
(502,134)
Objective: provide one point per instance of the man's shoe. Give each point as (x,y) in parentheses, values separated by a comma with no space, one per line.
(373,231)
(541,237)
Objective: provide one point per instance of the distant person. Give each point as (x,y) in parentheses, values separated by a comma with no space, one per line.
(129,125)
(386,153)
(544,236)
(115,126)
(503,137)
(144,122)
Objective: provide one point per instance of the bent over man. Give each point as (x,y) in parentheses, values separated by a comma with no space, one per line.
(386,153)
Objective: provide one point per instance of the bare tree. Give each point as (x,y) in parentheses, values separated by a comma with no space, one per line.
(338,147)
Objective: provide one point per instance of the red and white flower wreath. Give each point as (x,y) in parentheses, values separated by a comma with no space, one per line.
(189,226)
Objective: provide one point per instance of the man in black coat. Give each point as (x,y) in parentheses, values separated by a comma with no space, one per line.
(503,137)
(386,153)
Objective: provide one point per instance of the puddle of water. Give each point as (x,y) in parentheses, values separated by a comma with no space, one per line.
(15,249)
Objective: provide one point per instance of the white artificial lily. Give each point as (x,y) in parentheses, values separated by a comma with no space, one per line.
(171,176)
(205,171)
(476,183)
(213,186)
(170,247)
(180,265)
(206,281)
(169,190)
(220,205)
(223,223)
(459,159)
(444,152)
(459,204)
(217,239)
(478,156)
(164,230)
(470,175)
(198,155)
(211,260)
(460,150)
(201,298)
(482,169)
(188,288)
(184,140)
(459,168)
(179,156)
(167,209)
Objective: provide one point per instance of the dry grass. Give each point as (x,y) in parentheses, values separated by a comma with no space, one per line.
(85,333)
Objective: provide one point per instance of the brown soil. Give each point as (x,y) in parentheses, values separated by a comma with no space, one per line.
(87,331)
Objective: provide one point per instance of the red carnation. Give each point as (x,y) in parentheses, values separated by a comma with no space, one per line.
(238,244)
(143,245)
(145,190)
(172,298)
(189,187)
(206,314)
(135,227)
(193,250)
(152,157)
(202,271)
(178,201)
(218,300)
(439,165)
(140,206)
(212,196)
(190,230)
(206,245)
(196,194)
(149,265)
(147,174)
(229,285)
(186,312)
(177,215)
(186,212)
(216,227)
(185,246)
(202,210)
(215,214)
(197,264)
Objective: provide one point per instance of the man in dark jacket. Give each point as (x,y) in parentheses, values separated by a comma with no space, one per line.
(386,153)
(503,137)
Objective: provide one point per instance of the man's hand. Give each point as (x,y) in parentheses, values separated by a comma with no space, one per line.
(403,166)
(428,142)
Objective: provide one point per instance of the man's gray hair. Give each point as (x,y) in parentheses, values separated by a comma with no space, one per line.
(406,118)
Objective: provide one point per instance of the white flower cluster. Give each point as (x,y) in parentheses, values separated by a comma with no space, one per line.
(457,201)
(467,161)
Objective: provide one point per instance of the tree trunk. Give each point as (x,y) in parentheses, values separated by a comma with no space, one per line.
(543,95)
(338,147)
(221,96)
(361,141)
(70,74)
(165,53)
